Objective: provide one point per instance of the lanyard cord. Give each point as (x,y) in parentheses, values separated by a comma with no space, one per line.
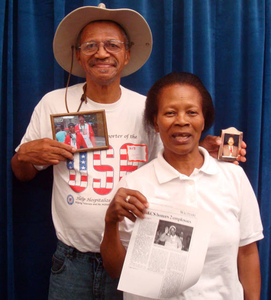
(83,97)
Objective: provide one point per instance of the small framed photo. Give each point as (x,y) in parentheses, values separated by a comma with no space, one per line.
(231,143)
(85,131)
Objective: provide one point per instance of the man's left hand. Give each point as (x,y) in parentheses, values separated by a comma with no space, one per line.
(211,143)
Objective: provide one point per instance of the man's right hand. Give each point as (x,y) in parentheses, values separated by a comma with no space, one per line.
(39,152)
(45,152)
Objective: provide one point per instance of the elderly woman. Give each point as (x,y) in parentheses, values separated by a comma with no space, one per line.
(180,108)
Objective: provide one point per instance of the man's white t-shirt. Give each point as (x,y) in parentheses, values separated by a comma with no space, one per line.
(84,187)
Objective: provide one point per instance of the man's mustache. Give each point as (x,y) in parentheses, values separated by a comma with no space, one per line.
(97,61)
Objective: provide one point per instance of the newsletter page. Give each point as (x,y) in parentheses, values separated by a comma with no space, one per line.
(167,250)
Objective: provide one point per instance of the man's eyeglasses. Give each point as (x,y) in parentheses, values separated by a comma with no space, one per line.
(111,46)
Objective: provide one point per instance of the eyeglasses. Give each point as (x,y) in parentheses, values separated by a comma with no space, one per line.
(111,46)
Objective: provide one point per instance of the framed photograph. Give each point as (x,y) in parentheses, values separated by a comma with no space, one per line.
(231,143)
(86,131)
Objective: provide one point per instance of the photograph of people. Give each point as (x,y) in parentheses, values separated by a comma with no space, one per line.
(229,149)
(179,107)
(86,131)
(170,239)
(75,139)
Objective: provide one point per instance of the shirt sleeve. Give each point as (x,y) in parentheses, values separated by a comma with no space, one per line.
(34,132)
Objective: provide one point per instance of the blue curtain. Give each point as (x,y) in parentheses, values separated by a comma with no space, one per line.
(226,43)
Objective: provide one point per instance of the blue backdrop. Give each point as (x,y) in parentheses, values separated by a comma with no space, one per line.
(226,43)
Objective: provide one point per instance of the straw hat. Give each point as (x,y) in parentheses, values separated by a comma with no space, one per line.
(132,22)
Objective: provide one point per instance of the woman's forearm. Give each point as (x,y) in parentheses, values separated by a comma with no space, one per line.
(112,250)
(249,271)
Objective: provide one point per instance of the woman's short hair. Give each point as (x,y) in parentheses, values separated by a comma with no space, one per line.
(180,78)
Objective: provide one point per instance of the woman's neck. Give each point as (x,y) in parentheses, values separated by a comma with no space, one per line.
(186,163)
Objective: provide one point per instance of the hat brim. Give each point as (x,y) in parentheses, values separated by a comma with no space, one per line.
(132,22)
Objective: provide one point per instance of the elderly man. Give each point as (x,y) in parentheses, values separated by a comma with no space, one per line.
(102,45)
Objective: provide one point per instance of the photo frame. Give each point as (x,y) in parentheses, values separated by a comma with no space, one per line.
(231,143)
(86,131)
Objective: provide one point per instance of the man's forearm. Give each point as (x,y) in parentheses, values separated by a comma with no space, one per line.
(24,171)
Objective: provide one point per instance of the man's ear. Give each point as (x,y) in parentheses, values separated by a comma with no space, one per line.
(127,56)
(78,56)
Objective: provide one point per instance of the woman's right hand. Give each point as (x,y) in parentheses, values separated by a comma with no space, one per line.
(126,203)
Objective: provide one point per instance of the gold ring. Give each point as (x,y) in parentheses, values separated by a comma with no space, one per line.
(127,198)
